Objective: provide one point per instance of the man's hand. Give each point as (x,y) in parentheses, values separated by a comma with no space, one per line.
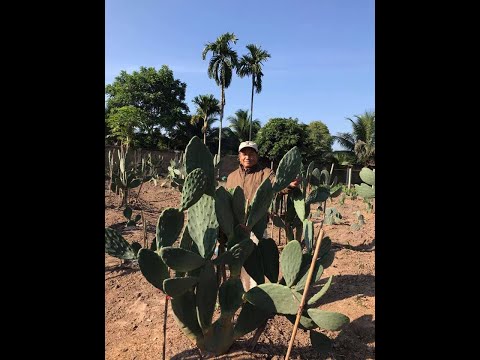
(294,183)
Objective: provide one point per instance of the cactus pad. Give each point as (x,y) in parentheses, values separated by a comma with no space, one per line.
(203,225)
(169,227)
(273,298)
(288,169)
(291,261)
(328,320)
(261,202)
(180,259)
(206,295)
(179,285)
(270,257)
(152,268)
(117,246)
(230,295)
(321,292)
(197,155)
(193,188)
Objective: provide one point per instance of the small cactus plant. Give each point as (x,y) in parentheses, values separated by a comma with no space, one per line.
(127,212)
(126,179)
(117,246)
(360,222)
(332,216)
(367,188)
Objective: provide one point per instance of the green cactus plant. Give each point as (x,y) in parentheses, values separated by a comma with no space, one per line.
(117,246)
(176,173)
(316,187)
(126,178)
(127,212)
(367,188)
(360,222)
(332,216)
(196,286)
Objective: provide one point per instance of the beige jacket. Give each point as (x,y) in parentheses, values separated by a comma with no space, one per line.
(250,179)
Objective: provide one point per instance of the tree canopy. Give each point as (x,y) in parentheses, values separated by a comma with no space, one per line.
(240,124)
(318,142)
(157,93)
(123,121)
(361,141)
(278,136)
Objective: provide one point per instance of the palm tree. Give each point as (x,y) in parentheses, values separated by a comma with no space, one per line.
(207,105)
(361,141)
(224,60)
(251,64)
(240,123)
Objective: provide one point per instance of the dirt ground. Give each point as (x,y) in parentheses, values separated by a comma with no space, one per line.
(134,309)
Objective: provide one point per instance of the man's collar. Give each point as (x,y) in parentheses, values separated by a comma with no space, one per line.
(252,169)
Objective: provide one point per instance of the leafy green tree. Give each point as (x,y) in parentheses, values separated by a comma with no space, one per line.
(220,68)
(187,128)
(251,65)
(206,106)
(361,141)
(344,158)
(278,136)
(230,141)
(157,93)
(123,122)
(318,142)
(240,124)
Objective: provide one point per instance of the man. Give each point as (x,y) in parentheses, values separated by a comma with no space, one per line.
(249,176)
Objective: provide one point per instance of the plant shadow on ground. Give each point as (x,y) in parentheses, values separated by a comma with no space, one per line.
(121,270)
(357,335)
(362,330)
(345,286)
(363,247)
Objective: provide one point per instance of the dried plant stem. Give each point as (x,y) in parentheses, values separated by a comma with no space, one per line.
(305,292)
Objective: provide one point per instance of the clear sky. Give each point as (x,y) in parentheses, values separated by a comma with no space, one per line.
(322,64)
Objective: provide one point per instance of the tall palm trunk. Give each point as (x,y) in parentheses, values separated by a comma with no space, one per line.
(205,129)
(221,118)
(251,110)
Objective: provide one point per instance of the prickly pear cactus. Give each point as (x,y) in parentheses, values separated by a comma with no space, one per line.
(285,299)
(117,246)
(196,286)
(367,188)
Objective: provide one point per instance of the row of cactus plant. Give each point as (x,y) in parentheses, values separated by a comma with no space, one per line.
(195,286)
(176,172)
(125,176)
(315,188)
(125,179)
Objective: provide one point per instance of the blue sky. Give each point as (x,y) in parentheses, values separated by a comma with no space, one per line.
(322,64)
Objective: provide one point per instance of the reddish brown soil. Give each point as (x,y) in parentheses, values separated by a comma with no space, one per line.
(134,309)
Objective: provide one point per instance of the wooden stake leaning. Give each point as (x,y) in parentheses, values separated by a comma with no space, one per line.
(165,327)
(305,292)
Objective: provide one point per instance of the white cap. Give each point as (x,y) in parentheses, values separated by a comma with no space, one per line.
(249,144)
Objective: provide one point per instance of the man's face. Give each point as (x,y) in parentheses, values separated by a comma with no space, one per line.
(248,157)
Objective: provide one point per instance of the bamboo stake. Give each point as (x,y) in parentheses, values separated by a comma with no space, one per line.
(144,229)
(305,292)
(165,327)
(280,214)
